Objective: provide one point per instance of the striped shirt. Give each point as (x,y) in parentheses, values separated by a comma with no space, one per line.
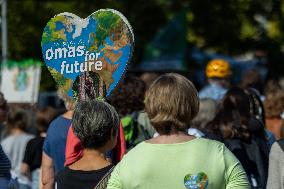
(5,164)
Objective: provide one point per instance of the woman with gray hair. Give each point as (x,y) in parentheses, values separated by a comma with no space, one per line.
(207,112)
(96,124)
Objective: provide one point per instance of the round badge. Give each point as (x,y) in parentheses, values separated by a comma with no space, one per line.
(196,181)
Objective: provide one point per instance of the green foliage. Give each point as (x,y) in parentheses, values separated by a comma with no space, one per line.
(22,64)
(231,26)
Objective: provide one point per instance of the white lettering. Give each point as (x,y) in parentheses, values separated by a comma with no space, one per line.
(62,66)
(71,52)
(99,65)
(90,66)
(49,54)
(83,65)
(71,68)
(76,66)
(91,59)
(58,53)
(80,67)
(97,55)
(92,56)
(80,50)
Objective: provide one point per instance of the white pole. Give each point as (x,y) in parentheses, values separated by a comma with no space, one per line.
(4,31)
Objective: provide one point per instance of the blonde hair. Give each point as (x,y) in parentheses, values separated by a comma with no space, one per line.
(171,102)
(207,112)
(69,102)
(274,104)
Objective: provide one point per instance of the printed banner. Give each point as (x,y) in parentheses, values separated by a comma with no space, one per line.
(20,81)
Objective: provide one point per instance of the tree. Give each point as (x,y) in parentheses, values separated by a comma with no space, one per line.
(228,26)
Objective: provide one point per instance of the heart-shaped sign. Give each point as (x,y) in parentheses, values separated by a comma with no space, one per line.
(87,55)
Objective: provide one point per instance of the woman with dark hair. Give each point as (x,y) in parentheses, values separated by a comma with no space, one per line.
(128,97)
(128,100)
(175,159)
(15,144)
(236,127)
(257,126)
(96,124)
(4,108)
(33,154)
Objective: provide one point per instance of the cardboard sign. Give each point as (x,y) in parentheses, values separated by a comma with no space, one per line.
(87,57)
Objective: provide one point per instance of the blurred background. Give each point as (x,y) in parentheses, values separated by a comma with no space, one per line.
(170,35)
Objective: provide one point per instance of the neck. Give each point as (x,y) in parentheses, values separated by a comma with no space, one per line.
(178,137)
(43,134)
(68,114)
(16,131)
(91,160)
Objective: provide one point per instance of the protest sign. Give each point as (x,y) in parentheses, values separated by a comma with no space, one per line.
(20,81)
(87,57)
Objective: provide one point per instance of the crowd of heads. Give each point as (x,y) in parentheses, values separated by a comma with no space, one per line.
(172,104)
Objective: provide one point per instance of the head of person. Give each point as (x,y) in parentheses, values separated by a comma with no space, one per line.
(281,82)
(128,97)
(3,108)
(257,120)
(43,118)
(218,70)
(256,105)
(68,101)
(148,78)
(17,119)
(96,124)
(232,118)
(274,104)
(171,103)
(207,111)
(272,86)
(252,79)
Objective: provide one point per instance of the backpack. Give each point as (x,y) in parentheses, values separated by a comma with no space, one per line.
(252,160)
(133,131)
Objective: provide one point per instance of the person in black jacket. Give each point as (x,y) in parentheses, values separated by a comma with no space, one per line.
(33,153)
(243,134)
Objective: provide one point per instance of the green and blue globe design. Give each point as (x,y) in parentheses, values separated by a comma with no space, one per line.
(106,32)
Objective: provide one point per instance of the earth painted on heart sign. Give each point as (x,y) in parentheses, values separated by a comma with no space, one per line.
(93,51)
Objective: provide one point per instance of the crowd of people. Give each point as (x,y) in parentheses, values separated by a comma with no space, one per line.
(153,131)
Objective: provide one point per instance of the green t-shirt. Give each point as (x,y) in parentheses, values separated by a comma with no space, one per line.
(196,164)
